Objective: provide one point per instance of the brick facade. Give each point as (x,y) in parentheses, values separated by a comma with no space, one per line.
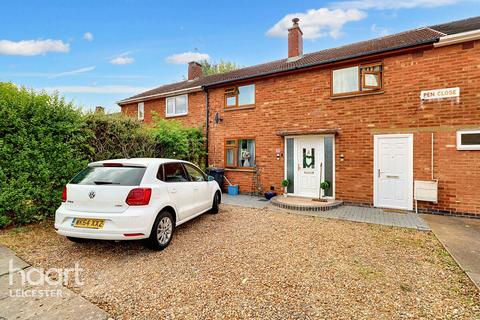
(302,101)
(196,116)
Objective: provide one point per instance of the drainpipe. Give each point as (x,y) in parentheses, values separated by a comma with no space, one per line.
(207,116)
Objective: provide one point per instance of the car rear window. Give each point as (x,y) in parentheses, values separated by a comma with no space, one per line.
(123,176)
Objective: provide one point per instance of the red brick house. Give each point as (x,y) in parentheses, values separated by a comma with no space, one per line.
(379,119)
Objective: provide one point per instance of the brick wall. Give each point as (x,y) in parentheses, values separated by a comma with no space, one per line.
(302,101)
(194,118)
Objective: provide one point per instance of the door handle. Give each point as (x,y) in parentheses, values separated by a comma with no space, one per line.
(172,190)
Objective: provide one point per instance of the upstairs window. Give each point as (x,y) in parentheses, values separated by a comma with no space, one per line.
(240,96)
(357,79)
(140,111)
(468,140)
(177,106)
(239,153)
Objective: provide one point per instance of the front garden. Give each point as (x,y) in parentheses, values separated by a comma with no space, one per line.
(45,141)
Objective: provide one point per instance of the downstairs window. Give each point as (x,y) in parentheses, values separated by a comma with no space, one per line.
(239,153)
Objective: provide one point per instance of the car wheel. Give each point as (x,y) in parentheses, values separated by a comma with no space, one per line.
(78,240)
(216,203)
(162,231)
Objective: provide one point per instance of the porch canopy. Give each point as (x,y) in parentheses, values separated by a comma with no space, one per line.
(299,132)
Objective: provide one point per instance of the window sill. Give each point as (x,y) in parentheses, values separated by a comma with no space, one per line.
(240,108)
(356,95)
(176,115)
(240,170)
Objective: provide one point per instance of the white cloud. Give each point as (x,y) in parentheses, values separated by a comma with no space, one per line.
(316,23)
(72,72)
(88,36)
(32,47)
(379,31)
(186,57)
(122,60)
(392,4)
(96,89)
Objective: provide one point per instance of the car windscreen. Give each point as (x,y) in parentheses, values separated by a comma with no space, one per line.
(122,176)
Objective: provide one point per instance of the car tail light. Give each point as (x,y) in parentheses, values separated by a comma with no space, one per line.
(64,194)
(139,197)
(113,165)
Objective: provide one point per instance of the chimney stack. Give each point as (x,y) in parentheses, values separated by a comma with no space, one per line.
(194,70)
(295,40)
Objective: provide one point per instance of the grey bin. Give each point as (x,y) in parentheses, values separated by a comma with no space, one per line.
(217,174)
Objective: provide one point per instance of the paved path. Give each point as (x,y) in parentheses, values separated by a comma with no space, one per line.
(15,306)
(461,238)
(350,213)
(245,201)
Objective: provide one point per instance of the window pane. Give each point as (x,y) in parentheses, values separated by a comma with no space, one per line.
(180,104)
(195,174)
(371,80)
(231,101)
(170,106)
(121,176)
(230,157)
(140,108)
(246,153)
(345,80)
(290,165)
(231,142)
(469,139)
(174,172)
(246,95)
(328,149)
(308,158)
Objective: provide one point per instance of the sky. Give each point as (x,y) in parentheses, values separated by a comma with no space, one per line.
(99,52)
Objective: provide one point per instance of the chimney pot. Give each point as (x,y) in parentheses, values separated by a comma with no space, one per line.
(295,40)
(194,70)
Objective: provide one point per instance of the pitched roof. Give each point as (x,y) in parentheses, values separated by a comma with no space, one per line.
(411,38)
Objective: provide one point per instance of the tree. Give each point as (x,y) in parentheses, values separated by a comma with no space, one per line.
(218,67)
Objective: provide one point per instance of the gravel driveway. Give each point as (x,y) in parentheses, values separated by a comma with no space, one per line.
(256,263)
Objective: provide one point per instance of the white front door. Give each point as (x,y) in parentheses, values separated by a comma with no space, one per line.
(309,163)
(393,171)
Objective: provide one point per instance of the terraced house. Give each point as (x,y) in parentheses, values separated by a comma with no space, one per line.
(381,120)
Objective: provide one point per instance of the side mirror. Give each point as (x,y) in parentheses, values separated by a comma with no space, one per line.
(210,178)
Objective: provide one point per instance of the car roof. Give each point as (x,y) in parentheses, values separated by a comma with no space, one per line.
(137,161)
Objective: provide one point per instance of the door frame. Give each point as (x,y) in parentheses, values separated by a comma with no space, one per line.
(376,138)
(295,160)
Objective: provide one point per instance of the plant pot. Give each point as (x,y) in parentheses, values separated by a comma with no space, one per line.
(270,194)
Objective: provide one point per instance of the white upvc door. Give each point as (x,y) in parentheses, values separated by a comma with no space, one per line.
(393,171)
(309,160)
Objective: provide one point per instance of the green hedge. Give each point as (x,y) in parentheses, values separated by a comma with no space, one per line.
(45,141)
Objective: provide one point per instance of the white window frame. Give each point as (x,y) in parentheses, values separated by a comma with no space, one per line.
(460,146)
(141,106)
(175,107)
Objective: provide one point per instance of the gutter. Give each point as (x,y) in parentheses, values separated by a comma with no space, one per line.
(160,95)
(458,38)
(207,116)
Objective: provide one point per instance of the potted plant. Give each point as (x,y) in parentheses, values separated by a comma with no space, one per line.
(270,194)
(325,185)
(285,184)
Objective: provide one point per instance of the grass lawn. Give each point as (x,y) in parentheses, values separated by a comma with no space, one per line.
(256,263)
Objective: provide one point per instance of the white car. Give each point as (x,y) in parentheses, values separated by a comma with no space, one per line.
(127,199)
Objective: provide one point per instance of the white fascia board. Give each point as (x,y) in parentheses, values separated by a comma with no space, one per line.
(160,95)
(458,38)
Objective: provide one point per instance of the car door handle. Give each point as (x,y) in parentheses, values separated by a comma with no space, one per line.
(172,190)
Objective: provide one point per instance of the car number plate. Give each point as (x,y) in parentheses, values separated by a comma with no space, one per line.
(88,223)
